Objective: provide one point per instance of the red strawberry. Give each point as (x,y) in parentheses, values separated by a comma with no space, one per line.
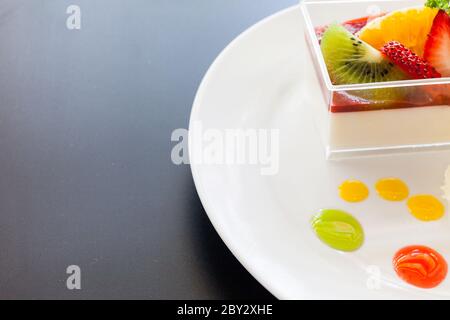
(409,62)
(437,47)
(356,25)
(353,26)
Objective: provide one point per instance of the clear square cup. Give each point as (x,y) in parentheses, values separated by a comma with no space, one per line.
(371,119)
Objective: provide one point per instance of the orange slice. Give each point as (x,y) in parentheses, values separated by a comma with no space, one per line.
(408,26)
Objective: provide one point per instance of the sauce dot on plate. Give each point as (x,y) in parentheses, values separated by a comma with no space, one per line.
(426,207)
(353,191)
(338,229)
(420,266)
(392,189)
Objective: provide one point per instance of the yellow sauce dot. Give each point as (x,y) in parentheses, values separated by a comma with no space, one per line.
(392,189)
(426,207)
(353,191)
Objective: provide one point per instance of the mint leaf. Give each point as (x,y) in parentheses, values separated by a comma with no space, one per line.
(439,4)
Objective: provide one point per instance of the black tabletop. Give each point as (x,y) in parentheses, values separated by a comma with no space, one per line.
(86,177)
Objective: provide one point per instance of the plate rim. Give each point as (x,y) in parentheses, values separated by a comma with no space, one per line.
(194,169)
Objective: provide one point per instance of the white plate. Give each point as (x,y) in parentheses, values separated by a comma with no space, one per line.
(259,82)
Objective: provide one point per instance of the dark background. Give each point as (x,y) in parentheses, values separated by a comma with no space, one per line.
(85,172)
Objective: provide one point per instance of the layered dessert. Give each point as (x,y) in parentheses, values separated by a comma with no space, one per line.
(386,77)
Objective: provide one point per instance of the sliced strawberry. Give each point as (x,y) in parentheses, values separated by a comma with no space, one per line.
(354,26)
(437,47)
(320,31)
(409,62)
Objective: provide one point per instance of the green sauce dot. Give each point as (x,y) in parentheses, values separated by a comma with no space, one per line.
(338,229)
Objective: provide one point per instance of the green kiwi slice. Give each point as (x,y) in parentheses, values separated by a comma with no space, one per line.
(351,61)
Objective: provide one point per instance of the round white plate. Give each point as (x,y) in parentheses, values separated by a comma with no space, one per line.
(259,82)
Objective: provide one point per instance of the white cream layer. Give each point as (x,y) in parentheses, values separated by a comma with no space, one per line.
(389,128)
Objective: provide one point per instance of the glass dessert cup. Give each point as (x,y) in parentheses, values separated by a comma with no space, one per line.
(373,118)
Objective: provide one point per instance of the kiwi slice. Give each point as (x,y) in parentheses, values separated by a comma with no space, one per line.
(350,60)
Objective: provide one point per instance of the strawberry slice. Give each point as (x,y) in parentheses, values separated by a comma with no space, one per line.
(409,62)
(353,26)
(356,25)
(437,47)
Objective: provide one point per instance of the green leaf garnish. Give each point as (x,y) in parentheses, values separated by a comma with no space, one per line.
(439,4)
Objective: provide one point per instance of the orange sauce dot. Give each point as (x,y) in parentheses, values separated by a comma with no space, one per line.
(426,207)
(392,189)
(353,191)
(420,266)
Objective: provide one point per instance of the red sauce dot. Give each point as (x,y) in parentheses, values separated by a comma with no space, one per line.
(420,266)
